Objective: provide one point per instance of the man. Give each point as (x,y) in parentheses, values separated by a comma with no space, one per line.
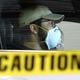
(41,32)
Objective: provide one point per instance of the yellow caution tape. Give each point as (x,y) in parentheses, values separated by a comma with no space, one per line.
(39,62)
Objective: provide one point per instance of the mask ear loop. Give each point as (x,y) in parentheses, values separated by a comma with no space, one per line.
(40,28)
(44,30)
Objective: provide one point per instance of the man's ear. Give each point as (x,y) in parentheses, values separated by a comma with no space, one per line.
(33,28)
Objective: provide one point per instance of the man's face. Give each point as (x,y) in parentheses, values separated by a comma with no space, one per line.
(46,25)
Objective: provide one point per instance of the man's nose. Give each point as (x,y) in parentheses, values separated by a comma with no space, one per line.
(50,22)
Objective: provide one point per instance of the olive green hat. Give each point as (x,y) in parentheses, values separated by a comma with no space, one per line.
(32,14)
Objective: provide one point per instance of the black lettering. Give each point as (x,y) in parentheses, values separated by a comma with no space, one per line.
(60,62)
(16,63)
(29,63)
(52,62)
(75,60)
(3,68)
(43,61)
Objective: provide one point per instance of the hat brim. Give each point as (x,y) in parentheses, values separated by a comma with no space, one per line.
(55,17)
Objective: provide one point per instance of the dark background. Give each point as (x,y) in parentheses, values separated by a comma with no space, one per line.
(70,8)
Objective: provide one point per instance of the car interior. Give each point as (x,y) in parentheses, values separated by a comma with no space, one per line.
(10,33)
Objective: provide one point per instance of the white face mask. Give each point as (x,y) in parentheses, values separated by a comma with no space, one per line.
(53,38)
